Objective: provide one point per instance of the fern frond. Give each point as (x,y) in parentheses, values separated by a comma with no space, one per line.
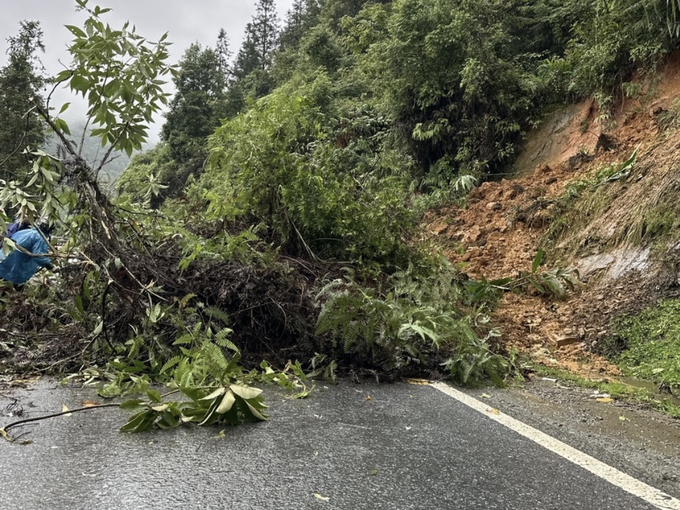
(171,363)
(350,334)
(222,340)
(214,357)
(215,313)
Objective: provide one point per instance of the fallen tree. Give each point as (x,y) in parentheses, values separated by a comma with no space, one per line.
(162,296)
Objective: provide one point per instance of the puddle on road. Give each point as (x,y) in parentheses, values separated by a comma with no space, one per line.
(577,409)
(649,385)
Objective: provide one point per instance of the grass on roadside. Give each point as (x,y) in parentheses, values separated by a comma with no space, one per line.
(647,346)
(618,390)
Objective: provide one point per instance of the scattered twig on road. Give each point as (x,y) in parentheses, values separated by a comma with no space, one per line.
(3,430)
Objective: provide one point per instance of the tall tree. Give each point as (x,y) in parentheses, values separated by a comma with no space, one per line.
(195,110)
(336,9)
(21,82)
(299,18)
(248,59)
(266,24)
(223,53)
(259,41)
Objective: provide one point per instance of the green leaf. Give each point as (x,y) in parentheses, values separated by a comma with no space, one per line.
(245,392)
(249,412)
(63,76)
(140,422)
(79,83)
(168,419)
(62,126)
(111,88)
(500,283)
(536,285)
(87,285)
(76,31)
(134,422)
(210,415)
(218,392)
(132,405)
(538,260)
(227,402)
(79,304)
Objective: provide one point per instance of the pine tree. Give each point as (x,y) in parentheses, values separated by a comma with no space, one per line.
(247,59)
(195,111)
(20,85)
(299,18)
(266,25)
(260,40)
(223,53)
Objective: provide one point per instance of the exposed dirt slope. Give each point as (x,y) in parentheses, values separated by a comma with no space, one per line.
(571,197)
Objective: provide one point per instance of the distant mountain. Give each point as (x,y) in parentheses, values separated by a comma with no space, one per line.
(92,152)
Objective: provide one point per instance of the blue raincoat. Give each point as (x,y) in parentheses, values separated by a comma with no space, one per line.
(18,267)
(15,227)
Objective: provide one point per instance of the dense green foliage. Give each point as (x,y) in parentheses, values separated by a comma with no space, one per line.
(143,179)
(375,99)
(370,111)
(457,83)
(299,20)
(21,83)
(282,206)
(282,168)
(648,345)
(195,112)
(418,321)
(611,40)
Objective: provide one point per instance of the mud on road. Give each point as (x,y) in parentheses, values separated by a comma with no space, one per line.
(633,438)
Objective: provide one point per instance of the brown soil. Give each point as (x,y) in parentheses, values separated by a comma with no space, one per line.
(499,231)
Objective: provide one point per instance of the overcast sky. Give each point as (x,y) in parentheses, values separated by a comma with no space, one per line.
(186,21)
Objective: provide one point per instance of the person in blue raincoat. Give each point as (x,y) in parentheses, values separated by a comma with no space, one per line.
(18,267)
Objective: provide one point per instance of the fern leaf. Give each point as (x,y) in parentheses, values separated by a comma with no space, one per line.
(170,363)
(215,313)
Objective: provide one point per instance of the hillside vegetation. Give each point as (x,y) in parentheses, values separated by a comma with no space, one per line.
(281,216)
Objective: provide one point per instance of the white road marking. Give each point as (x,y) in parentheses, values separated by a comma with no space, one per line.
(626,482)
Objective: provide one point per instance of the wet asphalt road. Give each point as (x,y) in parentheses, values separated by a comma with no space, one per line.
(405,447)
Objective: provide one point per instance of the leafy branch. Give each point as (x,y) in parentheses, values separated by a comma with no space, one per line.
(555,282)
(231,404)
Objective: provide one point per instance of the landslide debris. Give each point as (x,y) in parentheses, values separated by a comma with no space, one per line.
(571,195)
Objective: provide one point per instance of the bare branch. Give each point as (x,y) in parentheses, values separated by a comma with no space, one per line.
(3,430)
